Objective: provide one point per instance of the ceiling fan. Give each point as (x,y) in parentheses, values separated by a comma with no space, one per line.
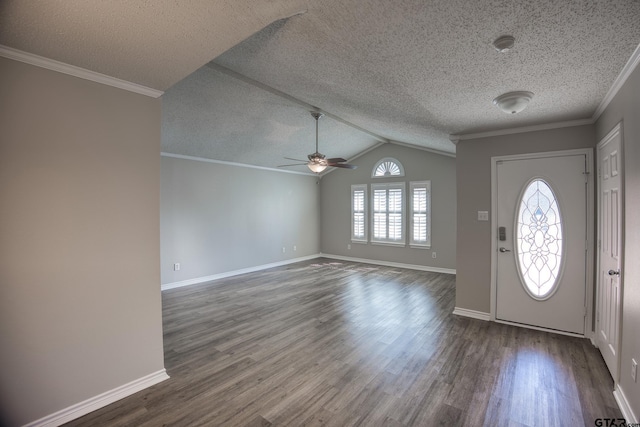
(318,161)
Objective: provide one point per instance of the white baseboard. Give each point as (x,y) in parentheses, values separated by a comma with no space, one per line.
(226,274)
(480,315)
(391,264)
(624,406)
(99,401)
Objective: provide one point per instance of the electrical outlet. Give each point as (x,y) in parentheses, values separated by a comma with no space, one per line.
(348,246)
(284,249)
(433,255)
(176,266)
(634,369)
(294,248)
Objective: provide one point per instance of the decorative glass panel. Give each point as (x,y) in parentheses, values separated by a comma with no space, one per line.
(539,239)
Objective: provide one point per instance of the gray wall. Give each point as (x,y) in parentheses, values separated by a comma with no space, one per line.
(217,218)
(80,305)
(626,107)
(473,281)
(418,165)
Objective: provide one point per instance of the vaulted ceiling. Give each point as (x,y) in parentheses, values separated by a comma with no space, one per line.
(240,76)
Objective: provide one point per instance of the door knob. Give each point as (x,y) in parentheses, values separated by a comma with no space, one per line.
(614,272)
(508,250)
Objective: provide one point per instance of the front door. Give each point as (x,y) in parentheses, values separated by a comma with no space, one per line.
(609,249)
(542,242)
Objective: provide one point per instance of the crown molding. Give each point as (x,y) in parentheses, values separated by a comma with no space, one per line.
(570,123)
(629,67)
(242,165)
(72,70)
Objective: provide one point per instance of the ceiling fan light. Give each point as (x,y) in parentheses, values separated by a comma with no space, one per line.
(316,167)
(513,102)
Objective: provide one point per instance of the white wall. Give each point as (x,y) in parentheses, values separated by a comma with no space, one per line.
(419,165)
(218,218)
(80,304)
(625,107)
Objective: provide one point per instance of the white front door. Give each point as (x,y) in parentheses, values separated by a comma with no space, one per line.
(609,248)
(541,242)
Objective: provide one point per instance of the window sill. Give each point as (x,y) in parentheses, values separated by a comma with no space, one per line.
(414,246)
(361,242)
(400,244)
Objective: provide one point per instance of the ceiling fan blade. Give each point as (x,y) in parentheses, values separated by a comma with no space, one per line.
(297,160)
(336,160)
(343,165)
(295,164)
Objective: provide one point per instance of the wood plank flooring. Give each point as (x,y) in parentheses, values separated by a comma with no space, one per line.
(327,343)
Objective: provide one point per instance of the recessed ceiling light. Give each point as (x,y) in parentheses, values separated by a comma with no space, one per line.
(504,43)
(513,102)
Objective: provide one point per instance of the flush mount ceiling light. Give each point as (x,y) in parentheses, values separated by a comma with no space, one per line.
(504,43)
(513,102)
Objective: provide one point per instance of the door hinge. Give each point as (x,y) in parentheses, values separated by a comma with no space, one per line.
(585,312)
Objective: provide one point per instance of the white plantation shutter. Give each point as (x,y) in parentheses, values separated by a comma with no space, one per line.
(359,213)
(388,213)
(395,214)
(420,213)
(379,214)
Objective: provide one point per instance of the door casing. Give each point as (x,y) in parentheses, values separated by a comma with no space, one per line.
(590,221)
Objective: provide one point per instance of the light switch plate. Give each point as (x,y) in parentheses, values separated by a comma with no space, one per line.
(483,215)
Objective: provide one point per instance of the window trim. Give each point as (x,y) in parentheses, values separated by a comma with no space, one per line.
(403,228)
(413,185)
(365,238)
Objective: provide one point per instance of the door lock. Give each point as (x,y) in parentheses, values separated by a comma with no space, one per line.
(614,272)
(502,233)
(509,250)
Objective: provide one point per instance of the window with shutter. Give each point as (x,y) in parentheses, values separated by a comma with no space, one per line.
(359,213)
(387,167)
(420,213)
(388,213)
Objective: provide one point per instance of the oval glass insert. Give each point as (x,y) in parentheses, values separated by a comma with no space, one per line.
(539,240)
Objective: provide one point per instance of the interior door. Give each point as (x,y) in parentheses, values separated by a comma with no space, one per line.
(609,249)
(541,242)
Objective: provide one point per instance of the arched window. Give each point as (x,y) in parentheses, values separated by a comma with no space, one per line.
(387,167)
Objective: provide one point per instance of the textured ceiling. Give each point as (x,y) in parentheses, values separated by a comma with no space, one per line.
(215,116)
(154,43)
(411,71)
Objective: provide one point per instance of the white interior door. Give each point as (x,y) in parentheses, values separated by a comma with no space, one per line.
(609,249)
(541,242)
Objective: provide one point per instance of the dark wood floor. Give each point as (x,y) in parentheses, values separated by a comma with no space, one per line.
(340,344)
